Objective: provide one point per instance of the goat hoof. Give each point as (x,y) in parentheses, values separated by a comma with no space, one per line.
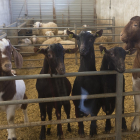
(93,132)
(124,128)
(13,139)
(48,131)
(107,129)
(61,137)
(82,135)
(69,129)
(42,137)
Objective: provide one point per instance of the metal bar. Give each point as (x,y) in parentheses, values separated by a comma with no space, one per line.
(36,36)
(56,36)
(72,24)
(62,27)
(62,121)
(6,78)
(67,58)
(24,23)
(3,36)
(119,90)
(60,15)
(113,29)
(55,99)
(56,122)
(75,43)
(68,44)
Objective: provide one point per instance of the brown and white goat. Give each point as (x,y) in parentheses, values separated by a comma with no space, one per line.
(13,89)
(131,36)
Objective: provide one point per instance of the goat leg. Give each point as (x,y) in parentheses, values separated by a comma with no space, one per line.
(67,107)
(49,112)
(124,127)
(58,115)
(43,118)
(10,118)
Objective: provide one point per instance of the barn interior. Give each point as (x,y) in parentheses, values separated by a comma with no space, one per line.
(17,20)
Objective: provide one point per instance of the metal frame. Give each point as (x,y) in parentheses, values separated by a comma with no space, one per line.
(119,94)
(119,84)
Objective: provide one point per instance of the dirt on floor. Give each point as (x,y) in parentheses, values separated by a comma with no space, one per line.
(32,133)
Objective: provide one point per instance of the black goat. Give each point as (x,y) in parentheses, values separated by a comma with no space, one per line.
(113,59)
(53,87)
(89,84)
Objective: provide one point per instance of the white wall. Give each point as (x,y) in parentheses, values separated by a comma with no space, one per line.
(5,17)
(122,10)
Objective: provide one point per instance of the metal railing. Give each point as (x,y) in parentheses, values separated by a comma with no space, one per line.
(119,95)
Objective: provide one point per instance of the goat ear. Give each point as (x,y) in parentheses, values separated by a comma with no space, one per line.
(17,58)
(71,34)
(71,50)
(130,51)
(102,49)
(99,33)
(40,50)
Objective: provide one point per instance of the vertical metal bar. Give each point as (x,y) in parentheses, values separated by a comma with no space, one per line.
(68,14)
(119,91)
(75,27)
(113,29)
(26,10)
(40,10)
(94,13)
(81,13)
(54,12)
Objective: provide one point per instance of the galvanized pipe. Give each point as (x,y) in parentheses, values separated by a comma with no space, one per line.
(75,43)
(55,99)
(63,121)
(56,121)
(67,44)
(109,27)
(69,58)
(119,91)
(55,36)
(6,78)
(67,98)
(61,19)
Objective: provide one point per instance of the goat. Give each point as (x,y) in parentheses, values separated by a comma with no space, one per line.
(91,84)
(130,36)
(113,59)
(53,87)
(14,89)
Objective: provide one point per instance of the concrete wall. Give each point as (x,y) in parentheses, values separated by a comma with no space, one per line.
(122,10)
(5,17)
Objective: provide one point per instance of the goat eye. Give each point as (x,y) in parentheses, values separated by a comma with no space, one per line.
(49,55)
(135,25)
(111,54)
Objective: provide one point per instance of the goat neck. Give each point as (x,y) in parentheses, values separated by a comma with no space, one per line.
(137,64)
(87,63)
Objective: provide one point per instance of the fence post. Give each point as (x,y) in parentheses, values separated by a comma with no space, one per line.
(119,91)
(75,27)
(113,29)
